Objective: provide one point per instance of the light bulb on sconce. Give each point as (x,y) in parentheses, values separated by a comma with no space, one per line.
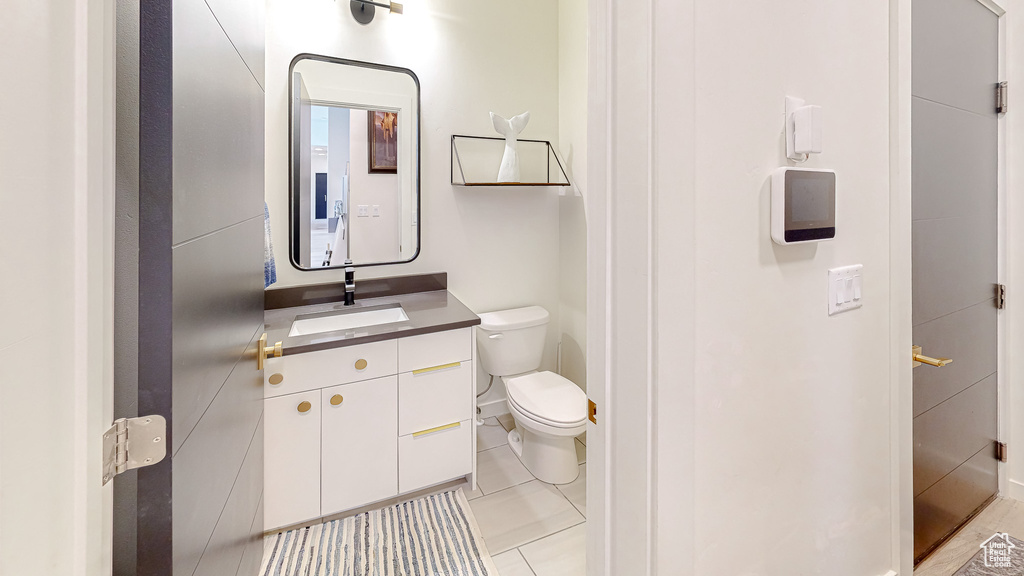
(364,10)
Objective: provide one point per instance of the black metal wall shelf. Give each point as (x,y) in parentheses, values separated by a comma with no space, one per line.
(476,159)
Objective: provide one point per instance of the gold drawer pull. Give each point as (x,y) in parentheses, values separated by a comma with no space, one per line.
(438,429)
(435,368)
(337,399)
(304,406)
(360,364)
(276,379)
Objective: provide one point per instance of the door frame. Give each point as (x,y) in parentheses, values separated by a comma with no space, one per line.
(901,287)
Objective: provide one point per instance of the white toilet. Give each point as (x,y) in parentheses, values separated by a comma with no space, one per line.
(549,410)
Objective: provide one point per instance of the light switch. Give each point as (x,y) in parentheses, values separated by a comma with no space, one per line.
(375,210)
(364,210)
(844,288)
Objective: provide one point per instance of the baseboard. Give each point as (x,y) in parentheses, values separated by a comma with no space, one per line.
(493,408)
(1016,490)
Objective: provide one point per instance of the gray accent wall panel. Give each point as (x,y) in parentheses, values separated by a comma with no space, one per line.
(948,273)
(952,432)
(243,21)
(940,28)
(969,337)
(945,139)
(233,535)
(218,304)
(208,465)
(218,128)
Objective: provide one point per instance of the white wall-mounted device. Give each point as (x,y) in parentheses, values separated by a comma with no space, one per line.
(803,205)
(804,129)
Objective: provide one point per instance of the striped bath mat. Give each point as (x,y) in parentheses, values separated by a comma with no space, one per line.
(430,536)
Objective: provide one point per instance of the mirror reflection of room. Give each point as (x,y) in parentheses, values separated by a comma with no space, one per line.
(339,134)
(355,157)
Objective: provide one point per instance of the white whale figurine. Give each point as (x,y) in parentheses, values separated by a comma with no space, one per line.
(510,129)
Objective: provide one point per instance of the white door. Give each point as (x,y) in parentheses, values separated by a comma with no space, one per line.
(56,193)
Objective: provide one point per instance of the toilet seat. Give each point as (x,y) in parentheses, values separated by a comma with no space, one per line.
(548,398)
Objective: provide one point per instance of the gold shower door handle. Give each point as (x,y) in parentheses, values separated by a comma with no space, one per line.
(264,351)
(920,358)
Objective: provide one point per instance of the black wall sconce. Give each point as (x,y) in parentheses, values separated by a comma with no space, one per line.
(363,10)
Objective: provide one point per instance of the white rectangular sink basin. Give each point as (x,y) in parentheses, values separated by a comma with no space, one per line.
(348,321)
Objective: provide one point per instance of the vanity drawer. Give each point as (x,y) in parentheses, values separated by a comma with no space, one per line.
(433,396)
(301,372)
(432,457)
(428,350)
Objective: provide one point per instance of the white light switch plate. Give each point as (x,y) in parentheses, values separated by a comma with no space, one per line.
(363,210)
(375,210)
(845,288)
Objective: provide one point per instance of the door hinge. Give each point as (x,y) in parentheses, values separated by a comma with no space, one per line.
(592,410)
(133,443)
(1000,296)
(1001,451)
(1001,98)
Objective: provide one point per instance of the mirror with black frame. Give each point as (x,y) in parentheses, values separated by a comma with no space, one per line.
(355,166)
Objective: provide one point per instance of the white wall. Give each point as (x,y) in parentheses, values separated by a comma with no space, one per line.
(1013,331)
(572,218)
(56,348)
(763,423)
(498,246)
(798,400)
(374,239)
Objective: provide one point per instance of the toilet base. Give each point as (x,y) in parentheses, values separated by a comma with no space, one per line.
(550,459)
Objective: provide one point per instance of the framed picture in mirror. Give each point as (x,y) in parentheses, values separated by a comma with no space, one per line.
(383,141)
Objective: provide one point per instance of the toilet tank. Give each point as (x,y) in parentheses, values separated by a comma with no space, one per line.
(512,341)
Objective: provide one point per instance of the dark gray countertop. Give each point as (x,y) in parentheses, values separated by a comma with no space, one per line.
(434,311)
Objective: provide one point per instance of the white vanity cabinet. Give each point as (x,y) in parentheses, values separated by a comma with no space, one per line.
(383,419)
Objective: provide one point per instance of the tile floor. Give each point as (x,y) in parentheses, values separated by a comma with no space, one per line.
(531,528)
(1002,515)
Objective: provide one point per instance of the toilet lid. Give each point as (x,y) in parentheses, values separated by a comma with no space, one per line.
(549,397)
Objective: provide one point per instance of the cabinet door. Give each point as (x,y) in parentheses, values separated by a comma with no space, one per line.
(360,444)
(291,462)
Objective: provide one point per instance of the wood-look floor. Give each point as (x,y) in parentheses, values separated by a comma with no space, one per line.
(1002,515)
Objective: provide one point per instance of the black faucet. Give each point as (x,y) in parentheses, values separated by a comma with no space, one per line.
(350,283)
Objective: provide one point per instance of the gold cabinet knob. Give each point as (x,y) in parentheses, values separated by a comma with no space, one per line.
(360,364)
(337,399)
(276,379)
(304,406)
